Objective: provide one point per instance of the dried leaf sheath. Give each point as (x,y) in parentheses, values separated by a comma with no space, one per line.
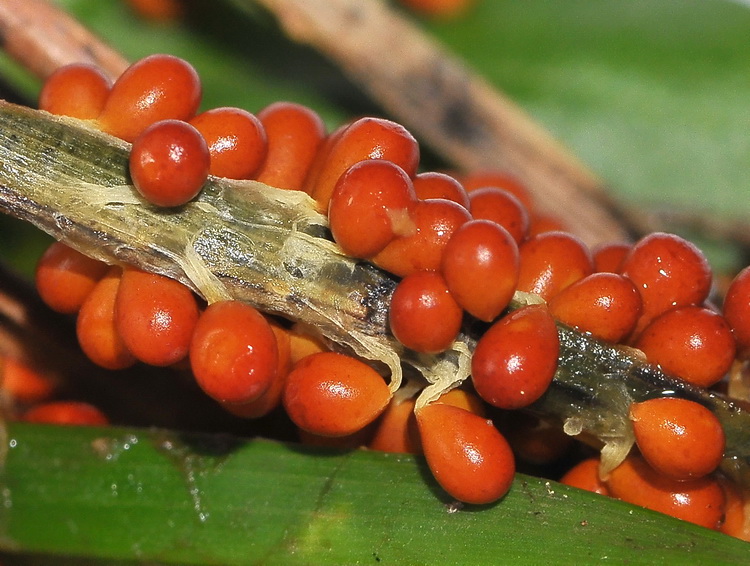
(596,382)
(271,248)
(239,239)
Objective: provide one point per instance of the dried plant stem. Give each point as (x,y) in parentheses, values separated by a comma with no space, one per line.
(42,38)
(269,247)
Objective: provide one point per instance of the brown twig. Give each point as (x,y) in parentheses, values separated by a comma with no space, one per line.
(732,229)
(42,38)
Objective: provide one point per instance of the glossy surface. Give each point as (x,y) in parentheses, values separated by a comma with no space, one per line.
(169,163)
(515,360)
(155,317)
(677,437)
(424,315)
(668,271)
(236,141)
(466,454)
(77,90)
(64,277)
(157,87)
(233,352)
(95,325)
(370,206)
(366,138)
(552,261)
(694,343)
(435,184)
(333,394)
(271,397)
(604,304)
(421,247)
(700,501)
(294,134)
(480,268)
(503,207)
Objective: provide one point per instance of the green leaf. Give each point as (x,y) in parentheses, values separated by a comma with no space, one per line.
(651,94)
(160,496)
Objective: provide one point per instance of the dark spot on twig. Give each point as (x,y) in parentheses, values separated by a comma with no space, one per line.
(461,122)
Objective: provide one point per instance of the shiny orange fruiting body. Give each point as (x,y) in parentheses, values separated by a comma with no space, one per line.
(236,141)
(271,397)
(606,305)
(480,268)
(516,358)
(155,317)
(295,134)
(691,342)
(64,277)
(421,245)
(681,439)
(157,87)
(700,501)
(78,90)
(95,325)
(466,454)
(233,352)
(369,205)
(503,207)
(552,261)
(169,163)
(332,394)
(423,314)
(434,184)
(668,271)
(366,138)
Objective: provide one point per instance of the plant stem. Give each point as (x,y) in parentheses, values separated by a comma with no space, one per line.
(42,37)
(271,248)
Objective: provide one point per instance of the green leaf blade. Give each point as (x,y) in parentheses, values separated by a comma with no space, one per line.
(154,495)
